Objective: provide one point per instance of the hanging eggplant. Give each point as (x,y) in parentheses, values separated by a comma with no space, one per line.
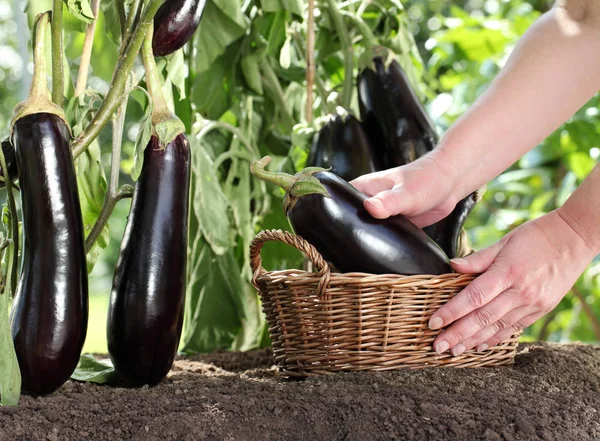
(175,23)
(146,309)
(50,310)
(343,146)
(393,114)
(328,212)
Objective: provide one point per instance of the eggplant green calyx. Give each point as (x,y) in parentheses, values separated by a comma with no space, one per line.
(366,60)
(39,99)
(295,186)
(165,124)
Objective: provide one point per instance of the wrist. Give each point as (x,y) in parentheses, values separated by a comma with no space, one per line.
(565,230)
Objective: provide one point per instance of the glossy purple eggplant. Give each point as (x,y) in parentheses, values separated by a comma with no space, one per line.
(146,308)
(50,310)
(174,25)
(393,115)
(328,212)
(343,146)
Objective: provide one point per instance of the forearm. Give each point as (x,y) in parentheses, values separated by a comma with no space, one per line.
(551,73)
(582,211)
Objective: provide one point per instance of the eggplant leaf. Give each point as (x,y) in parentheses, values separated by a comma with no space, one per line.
(10,375)
(143,137)
(80,9)
(91,370)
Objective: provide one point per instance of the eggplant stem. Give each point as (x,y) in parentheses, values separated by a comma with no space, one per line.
(283,180)
(58,74)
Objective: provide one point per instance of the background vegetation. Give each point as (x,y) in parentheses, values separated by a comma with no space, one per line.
(240,88)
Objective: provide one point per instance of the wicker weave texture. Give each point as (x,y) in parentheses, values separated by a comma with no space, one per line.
(325,322)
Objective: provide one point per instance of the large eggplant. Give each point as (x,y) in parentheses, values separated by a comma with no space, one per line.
(393,114)
(343,146)
(175,23)
(11,162)
(147,299)
(50,309)
(328,212)
(146,309)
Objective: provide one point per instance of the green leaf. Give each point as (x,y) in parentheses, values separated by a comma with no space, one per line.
(209,204)
(10,375)
(112,21)
(143,137)
(176,72)
(80,9)
(92,370)
(214,304)
(92,185)
(294,6)
(581,164)
(251,71)
(222,24)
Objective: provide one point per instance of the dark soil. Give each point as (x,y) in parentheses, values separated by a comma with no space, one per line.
(551,393)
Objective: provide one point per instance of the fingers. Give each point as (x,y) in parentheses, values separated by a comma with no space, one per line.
(490,315)
(477,294)
(479,339)
(373,183)
(514,328)
(477,262)
(389,203)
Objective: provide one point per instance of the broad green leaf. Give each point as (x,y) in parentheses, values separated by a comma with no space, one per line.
(112,22)
(143,137)
(10,375)
(80,9)
(294,6)
(218,31)
(92,370)
(91,182)
(214,298)
(176,72)
(209,92)
(209,205)
(251,71)
(581,164)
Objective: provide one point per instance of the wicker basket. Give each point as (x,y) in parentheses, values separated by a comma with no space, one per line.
(324,322)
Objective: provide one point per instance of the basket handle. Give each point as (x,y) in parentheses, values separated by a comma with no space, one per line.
(297,242)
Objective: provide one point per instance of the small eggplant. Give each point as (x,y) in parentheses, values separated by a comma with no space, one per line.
(175,23)
(343,146)
(11,162)
(328,212)
(393,115)
(448,232)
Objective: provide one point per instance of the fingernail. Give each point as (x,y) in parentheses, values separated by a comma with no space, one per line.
(375,202)
(436,323)
(482,347)
(442,347)
(459,261)
(458,349)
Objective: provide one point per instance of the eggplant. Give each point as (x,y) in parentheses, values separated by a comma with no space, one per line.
(175,23)
(11,162)
(328,212)
(342,145)
(50,309)
(393,115)
(146,309)
(447,233)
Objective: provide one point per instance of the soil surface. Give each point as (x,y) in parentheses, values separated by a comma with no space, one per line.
(552,392)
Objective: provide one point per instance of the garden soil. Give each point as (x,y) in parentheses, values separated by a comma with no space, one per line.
(552,392)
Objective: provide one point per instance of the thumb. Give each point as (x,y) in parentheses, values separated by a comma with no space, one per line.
(390,202)
(477,262)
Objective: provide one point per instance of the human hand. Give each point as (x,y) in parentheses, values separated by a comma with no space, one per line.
(424,191)
(523,276)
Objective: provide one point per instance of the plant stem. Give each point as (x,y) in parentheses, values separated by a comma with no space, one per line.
(310,60)
(58,75)
(86,54)
(114,96)
(363,28)
(588,311)
(272,83)
(347,51)
(14,229)
(133,16)
(122,18)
